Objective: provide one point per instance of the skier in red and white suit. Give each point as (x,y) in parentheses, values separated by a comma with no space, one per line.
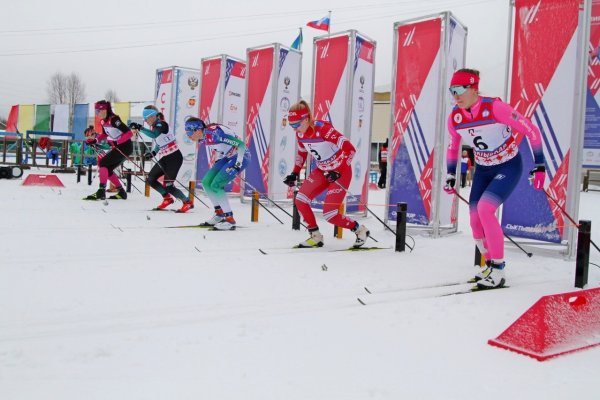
(333,154)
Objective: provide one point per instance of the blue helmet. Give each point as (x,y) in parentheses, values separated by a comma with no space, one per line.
(192,125)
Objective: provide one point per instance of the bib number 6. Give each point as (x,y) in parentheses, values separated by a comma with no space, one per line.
(480,144)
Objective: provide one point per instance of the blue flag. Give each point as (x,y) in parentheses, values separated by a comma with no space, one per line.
(298,42)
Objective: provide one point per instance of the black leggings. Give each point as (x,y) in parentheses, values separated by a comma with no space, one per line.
(116,156)
(168,166)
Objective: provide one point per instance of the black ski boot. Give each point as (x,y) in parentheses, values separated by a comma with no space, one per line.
(121,195)
(99,195)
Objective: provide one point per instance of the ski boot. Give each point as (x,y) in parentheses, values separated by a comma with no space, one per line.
(495,279)
(121,194)
(226,224)
(187,205)
(99,195)
(362,233)
(315,239)
(167,200)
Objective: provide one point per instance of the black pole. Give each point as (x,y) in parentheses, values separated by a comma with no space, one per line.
(295,213)
(582,263)
(89,174)
(79,173)
(401,209)
(128,180)
(477,261)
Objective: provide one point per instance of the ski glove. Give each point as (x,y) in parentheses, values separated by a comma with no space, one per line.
(236,167)
(291,179)
(332,176)
(450,182)
(149,155)
(135,125)
(537,176)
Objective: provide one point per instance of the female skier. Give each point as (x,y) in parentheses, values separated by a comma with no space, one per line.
(490,126)
(231,158)
(168,156)
(119,136)
(333,154)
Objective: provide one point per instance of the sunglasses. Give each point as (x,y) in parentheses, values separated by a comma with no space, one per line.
(458,90)
(296,125)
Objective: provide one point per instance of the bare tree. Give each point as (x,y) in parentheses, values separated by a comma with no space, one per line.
(111,95)
(63,89)
(57,89)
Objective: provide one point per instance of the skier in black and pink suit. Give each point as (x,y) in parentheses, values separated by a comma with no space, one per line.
(490,126)
(119,136)
(333,154)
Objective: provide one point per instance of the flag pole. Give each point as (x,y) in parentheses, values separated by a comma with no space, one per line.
(329,26)
(301,39)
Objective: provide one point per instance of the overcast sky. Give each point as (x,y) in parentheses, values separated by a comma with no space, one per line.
(119,44)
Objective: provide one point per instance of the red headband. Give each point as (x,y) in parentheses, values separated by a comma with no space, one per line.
(102,106)
(298,115)
(462,78)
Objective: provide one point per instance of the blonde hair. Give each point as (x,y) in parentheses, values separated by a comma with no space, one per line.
(303,105)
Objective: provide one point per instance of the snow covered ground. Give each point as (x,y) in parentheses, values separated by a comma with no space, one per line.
(103,302)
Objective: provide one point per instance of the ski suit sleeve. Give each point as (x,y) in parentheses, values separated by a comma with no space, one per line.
(158,129)
(507,115)
(235,142)
(452,152)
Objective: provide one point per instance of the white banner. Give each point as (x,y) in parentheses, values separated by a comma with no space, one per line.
(360,119)
(61,118)
(186,104)
(283,142)
(234,94)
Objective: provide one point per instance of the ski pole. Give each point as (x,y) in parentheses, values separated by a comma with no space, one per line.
(98,153)
(529,254)
(268,199)
(567,215)
(372,213)
(160,166)
(165,174)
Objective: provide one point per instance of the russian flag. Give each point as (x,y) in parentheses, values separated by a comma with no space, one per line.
(322,24)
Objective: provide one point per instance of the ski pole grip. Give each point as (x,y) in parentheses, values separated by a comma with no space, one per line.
(401,226)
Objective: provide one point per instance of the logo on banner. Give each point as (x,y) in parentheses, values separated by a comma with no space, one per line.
(283,142)
(458,118)
(361,104)
(282,167)
(191,102)
(362,81)
(284,104)
(357,169)
(286,82)
(235,94)
(192,82)
(233,107)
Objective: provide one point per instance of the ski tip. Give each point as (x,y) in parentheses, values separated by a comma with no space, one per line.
(361,302)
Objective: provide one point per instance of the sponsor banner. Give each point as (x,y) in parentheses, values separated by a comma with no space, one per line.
(259,109)
(60,121)
(457,38)
(330,80)
(330,86)
(163,92)
(233,103)
(414,117)
(186,105)
(360,121)
(543,81)
(283,143)
(210,97)
(222,95)
(80,120)
(591,143)
(42,118)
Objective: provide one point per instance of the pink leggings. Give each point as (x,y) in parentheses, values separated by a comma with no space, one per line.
(486,227)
